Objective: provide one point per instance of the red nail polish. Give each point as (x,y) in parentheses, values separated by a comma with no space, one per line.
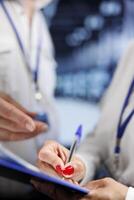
(69,170)
(58,169)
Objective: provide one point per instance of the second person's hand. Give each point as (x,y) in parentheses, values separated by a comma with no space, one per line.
(16,122)
(102,189)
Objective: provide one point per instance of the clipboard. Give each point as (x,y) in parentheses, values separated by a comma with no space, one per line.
(18,169)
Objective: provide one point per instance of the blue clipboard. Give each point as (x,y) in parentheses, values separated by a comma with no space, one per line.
(20,170)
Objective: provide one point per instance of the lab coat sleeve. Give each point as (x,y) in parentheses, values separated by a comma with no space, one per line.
(90,153)
(94,148)
(130,194)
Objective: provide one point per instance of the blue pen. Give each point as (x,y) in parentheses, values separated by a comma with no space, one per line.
(75,144)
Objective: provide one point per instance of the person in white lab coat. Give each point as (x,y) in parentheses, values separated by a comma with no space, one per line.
(27,66)
(111,144)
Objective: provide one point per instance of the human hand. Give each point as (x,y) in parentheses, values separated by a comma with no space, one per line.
(106,189)
(16,122)
(103,189)
(52,159)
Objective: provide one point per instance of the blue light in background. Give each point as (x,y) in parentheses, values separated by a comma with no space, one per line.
(94,22)
(110,8)
(78,36)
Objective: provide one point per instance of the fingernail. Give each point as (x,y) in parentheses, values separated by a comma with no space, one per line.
(69,170)
(30,126)
(44,127)
(58,169)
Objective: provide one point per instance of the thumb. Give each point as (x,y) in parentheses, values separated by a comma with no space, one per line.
(95,184)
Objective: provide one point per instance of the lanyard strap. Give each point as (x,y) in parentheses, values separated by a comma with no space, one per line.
(35,73)
(122,126)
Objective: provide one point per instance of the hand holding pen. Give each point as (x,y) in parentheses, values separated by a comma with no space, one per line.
(56,160)
(70,169)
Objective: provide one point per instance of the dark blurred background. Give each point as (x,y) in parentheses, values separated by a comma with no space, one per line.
(89,37)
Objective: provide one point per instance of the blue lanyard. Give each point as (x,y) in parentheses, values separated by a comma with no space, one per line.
(122,126)
(36,71)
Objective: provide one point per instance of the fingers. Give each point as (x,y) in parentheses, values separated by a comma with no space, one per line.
(97,190)
(10,100)
(11,126)
(40,127)
(12,113)
(62,152)
(6,135)
(56,155)
(47,169)
(15,124)
(17,105)
(51,154)
(97,194)
(50,158)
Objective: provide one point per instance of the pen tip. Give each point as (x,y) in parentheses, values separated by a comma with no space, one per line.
(79,131)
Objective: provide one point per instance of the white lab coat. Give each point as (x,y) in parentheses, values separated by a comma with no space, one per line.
(14,77)
(99,146)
